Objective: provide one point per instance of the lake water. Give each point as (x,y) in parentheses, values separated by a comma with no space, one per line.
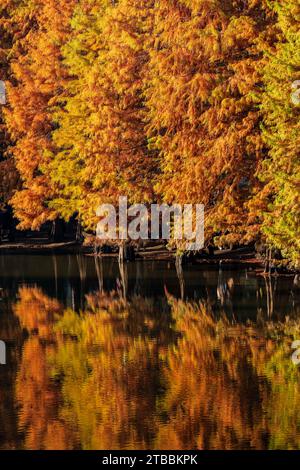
(146,357)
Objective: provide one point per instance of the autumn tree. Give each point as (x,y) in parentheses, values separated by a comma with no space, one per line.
(38,78)
(101,134)
(5,47)
(172,101)
(8,172)
(203,98)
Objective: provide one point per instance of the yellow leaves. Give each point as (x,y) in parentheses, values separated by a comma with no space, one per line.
(240,32)
(110,137)
(157,100)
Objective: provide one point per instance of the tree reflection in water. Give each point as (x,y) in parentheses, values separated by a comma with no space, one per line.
(138,373)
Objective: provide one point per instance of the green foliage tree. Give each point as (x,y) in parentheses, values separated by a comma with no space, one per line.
(279,200)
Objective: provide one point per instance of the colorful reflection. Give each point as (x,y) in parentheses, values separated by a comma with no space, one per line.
(138,374)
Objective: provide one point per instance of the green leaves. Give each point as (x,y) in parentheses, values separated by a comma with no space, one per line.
(281,132)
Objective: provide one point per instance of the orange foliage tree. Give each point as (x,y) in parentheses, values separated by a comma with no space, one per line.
(37,81)
(8,173)
(203,97)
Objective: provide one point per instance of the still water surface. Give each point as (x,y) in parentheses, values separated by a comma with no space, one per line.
(144,357)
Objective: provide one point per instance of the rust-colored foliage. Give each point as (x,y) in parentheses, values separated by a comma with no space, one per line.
(36,81)
(172,101)
(203,100)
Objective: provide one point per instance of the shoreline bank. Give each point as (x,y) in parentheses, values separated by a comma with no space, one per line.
(243,256)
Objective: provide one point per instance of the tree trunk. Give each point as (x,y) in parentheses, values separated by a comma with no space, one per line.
(126,252)
(124,278)
(79,237)
(58,231)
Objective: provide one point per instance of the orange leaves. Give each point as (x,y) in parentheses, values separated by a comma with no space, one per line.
(159,101)
(37,76)
(203,108)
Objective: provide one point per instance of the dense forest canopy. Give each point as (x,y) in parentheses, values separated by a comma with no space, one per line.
(186,101)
